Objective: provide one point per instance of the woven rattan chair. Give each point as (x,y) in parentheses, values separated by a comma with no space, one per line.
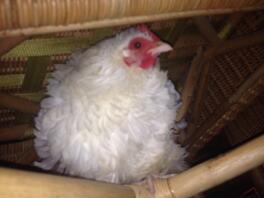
(217,64)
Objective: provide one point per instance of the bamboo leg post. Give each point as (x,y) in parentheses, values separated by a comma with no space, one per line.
(210,173)
(230,25)
(207,30)
(189,86)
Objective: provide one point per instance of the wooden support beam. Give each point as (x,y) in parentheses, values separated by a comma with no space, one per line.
(189,85)
(230,25)
(14,132)
(223,47)
(19,104)
(207,29)
(240,42)
(200,91)
(210,34)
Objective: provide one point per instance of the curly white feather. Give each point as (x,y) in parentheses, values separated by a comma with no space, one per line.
(106,121)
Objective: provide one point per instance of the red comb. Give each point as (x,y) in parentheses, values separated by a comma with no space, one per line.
(143,28)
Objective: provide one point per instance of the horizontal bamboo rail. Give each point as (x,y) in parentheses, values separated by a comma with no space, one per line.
(225,46)
(240,42)
(30,17)
(17,183)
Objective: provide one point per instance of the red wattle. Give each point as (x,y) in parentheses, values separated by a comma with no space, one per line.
(148,62)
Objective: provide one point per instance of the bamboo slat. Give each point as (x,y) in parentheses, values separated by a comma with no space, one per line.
(35,17)
(207,30)
(14,183)
(189,86)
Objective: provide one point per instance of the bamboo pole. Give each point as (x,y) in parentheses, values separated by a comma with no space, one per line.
(17,183)
(240,42)
(231,24)
(226,46)
(207,29)
(110,22)
(210,173)
(189,85)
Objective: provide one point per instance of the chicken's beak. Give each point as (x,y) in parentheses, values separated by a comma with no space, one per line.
(160,48)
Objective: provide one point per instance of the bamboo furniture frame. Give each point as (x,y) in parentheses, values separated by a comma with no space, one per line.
(20,19)
(15,183)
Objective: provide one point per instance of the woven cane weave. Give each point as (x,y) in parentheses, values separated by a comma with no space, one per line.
(228,73)
(34,17)
(249,122)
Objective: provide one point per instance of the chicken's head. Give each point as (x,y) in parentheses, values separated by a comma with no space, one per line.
(143,49)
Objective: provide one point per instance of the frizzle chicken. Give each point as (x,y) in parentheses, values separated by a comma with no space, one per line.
(109,112)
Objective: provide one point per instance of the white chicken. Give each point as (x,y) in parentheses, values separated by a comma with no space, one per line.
(109,112)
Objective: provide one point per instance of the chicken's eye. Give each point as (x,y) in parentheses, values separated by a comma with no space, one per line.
(137,45)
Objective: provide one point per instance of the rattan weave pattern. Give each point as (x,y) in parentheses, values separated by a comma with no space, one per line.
(228,72)
(31,17)
(249,123)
